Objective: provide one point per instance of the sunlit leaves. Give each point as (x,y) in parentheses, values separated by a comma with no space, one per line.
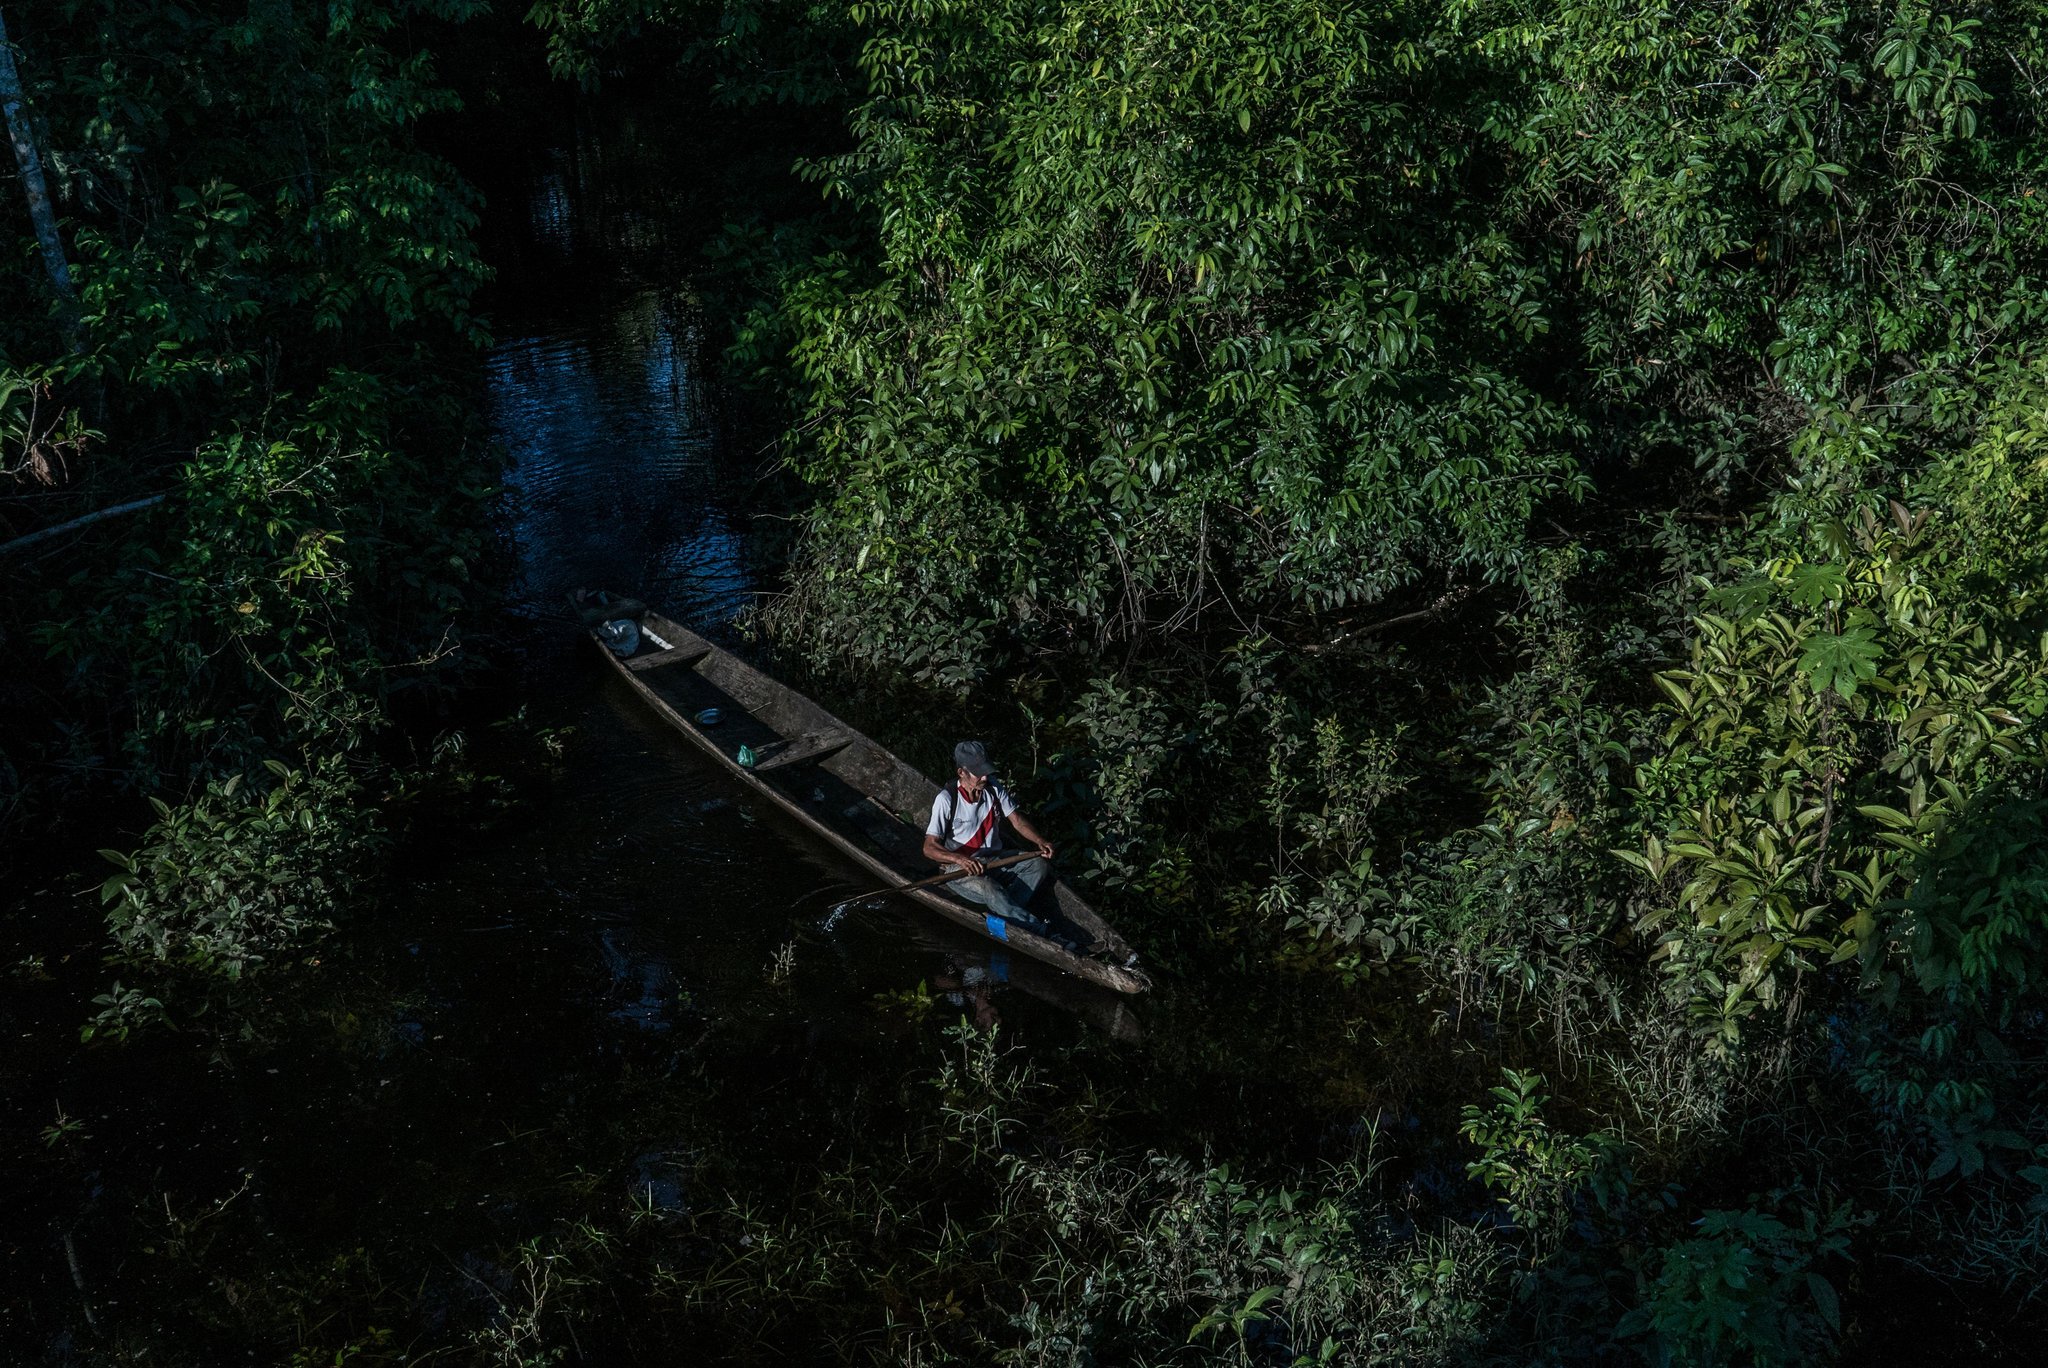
(1846,712)
(1809,586)
(1744,177)
(1213,261)
(1838,661)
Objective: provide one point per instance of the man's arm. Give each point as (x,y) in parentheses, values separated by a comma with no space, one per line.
(1029,833)
(936,851)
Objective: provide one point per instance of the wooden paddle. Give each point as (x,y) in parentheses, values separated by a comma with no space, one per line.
(936,879)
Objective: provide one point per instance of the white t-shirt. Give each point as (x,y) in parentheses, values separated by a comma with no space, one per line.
(977,824)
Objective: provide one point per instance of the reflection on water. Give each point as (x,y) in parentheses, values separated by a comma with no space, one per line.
(550,208)
(614,466)
(643,983)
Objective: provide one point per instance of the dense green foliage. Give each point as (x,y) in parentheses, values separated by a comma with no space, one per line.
(1703,347)
(1285,309)
(1090,1255)
(1534,509)
(273,280)
(217,883)
(1171,309)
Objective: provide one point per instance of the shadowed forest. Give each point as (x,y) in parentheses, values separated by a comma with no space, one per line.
(1505,540)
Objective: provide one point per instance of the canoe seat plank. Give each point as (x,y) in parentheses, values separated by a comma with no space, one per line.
(801,748)
(674,655)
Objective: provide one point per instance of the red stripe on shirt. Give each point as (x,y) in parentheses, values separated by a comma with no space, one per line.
(988,827)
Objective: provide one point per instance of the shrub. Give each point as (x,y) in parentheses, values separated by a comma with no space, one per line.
(1744,1290)
(224,883)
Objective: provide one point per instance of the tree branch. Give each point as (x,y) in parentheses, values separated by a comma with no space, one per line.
(1448,600)
(132,506)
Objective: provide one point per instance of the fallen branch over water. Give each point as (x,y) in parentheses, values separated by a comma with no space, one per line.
(132,506)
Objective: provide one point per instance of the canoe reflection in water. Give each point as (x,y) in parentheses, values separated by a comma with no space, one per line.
(971,987)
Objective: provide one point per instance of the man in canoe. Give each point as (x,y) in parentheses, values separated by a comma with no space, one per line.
(967,828)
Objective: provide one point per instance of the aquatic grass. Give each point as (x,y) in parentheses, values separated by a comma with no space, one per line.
(782,963)
(516,1337)
(975,1234)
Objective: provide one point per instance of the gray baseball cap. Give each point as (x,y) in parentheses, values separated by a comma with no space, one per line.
(972,756)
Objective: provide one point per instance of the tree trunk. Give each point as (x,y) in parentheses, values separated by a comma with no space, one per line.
(14,104)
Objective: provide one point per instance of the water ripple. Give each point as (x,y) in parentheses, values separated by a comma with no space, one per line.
(614,474)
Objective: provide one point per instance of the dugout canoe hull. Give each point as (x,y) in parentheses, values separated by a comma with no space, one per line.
(836,781)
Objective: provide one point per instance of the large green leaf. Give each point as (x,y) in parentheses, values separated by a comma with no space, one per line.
(1840,660)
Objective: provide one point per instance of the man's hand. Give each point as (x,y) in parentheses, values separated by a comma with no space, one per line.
(942,857)
(1030,833)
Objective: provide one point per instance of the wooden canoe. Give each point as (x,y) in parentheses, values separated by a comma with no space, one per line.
(837,782)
